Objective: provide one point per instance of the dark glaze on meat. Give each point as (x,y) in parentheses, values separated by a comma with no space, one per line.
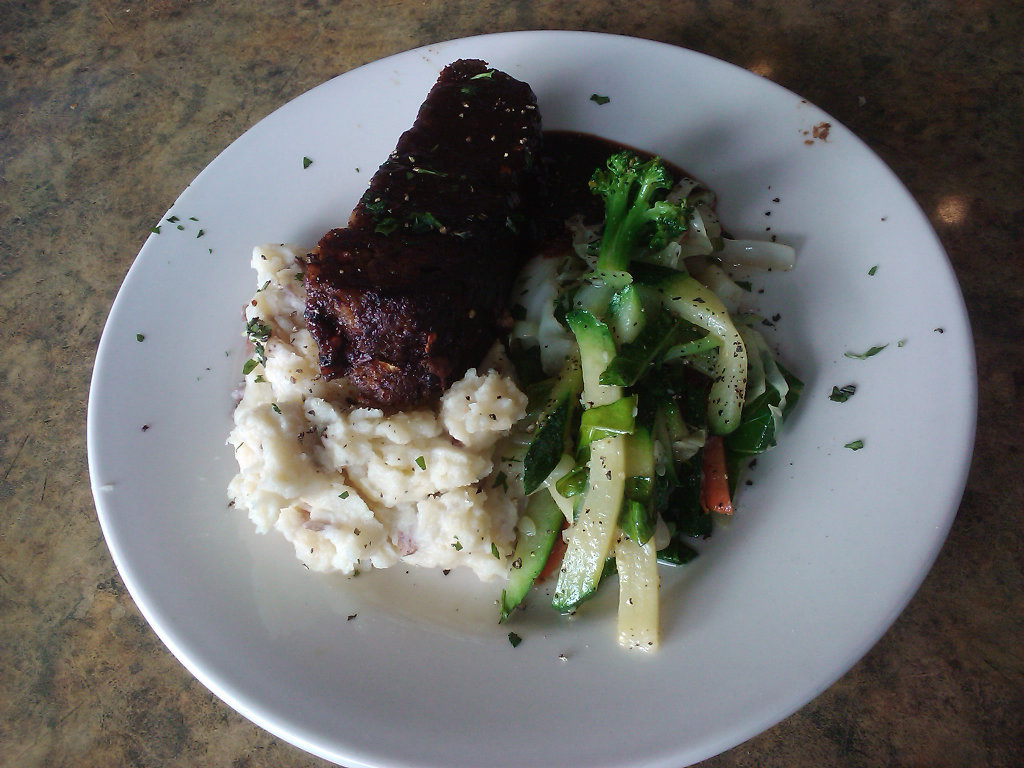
(413,292)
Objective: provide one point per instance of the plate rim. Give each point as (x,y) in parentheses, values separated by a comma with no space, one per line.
(226,693)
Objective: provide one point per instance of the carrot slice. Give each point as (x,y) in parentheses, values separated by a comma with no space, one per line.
(714,487)
(554,561)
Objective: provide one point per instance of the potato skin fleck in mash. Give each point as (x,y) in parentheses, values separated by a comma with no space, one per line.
(350,487)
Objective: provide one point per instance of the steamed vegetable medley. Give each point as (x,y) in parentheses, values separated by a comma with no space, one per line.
(648,391)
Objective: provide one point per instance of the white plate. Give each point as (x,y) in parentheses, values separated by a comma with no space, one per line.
(827,548)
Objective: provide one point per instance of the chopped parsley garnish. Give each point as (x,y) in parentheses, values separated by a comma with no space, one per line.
(259,379)
(495,552)
(343,495)
(856,445)
(139,337)
(417,221)
(421,462)
(306,162)
(457,545)
(250,364)
(192,218)
(873,270)
(257,330)
(745,285)
(488,75)
(428,172)
(173,219)
(274,406)
(181,227)
(155,230)
(376,206)
(500,479)
(865,355)
(842,394)
(200,233)
(514,639)
(423,222)
(600,100)
(386,226)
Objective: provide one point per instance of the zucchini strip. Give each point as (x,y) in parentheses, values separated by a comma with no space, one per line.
(553,426)
(593,533)
(694,302)
(637,565)
(538,529)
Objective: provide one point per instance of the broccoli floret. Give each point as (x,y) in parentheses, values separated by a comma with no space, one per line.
(637,216)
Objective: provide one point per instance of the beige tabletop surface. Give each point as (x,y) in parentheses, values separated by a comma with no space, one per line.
(109,109)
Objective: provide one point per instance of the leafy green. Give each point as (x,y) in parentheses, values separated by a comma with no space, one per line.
(257,330)
(865,355)
(615,418)
(762,418)
(661,333)
(546,447)
(842,394)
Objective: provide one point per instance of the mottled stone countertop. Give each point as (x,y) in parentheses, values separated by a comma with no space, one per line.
(108,110)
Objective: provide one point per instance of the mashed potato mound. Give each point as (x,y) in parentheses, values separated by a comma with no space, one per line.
(351,487)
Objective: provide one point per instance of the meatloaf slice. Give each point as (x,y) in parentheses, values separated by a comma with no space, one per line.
(414,291)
